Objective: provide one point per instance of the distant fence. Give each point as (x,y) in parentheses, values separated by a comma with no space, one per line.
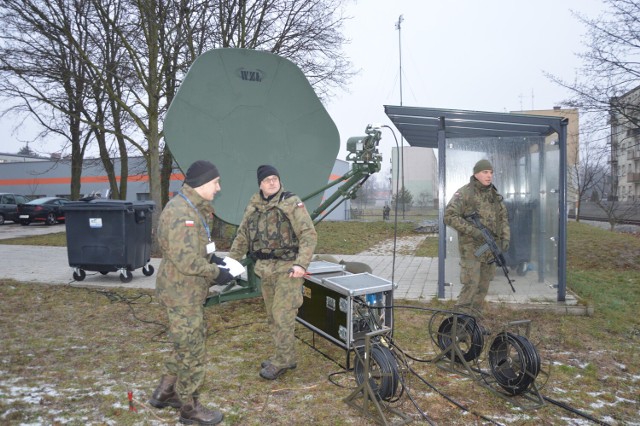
(413,214)
(590,211)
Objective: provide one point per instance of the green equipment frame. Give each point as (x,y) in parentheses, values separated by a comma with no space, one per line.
(366,160)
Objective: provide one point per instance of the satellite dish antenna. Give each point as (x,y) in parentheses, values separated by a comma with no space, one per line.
(241,108)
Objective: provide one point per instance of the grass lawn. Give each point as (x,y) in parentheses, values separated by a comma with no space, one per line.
(71,355)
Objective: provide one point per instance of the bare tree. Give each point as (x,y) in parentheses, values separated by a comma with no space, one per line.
(590,170)
(616,211)
(423,199)
(610,72)
(39,66)
(124,68)
(366,194)
(610,67)
(307,32)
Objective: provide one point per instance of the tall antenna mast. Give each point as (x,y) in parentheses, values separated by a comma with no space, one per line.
(399,28)
(401,153)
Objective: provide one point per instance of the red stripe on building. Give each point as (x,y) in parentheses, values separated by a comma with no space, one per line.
(85,179)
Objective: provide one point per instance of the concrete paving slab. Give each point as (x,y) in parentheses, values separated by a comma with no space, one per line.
(416,277)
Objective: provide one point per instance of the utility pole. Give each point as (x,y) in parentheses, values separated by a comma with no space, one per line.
(401,153)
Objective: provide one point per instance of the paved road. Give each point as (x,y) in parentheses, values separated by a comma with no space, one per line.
(14,230)
(416,277)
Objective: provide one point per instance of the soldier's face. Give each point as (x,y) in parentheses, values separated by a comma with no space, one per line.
(209,189)
(270,185)
(485,177)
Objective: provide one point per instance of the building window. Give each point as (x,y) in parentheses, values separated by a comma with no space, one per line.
(633,132)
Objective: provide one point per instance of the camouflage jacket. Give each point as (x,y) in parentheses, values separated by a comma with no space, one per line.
(475,197)
(185,274)
(301,225)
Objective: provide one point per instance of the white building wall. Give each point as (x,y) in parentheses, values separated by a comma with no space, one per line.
(420,172)
(625,141)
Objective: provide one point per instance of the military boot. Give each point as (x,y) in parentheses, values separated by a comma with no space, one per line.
(272,372)
(193,413)
(165,394)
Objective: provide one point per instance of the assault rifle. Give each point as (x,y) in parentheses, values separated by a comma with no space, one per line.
(490,244)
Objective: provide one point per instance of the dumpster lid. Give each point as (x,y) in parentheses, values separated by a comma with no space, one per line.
(99,204)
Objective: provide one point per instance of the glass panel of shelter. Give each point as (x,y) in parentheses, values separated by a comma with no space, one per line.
(526,173)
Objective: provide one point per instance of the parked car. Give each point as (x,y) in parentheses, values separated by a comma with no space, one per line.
(47,209)
(9,206)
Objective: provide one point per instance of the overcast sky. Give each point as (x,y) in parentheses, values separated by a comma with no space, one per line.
(464,54)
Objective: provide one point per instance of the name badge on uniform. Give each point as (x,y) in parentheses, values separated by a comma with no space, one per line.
(211,247)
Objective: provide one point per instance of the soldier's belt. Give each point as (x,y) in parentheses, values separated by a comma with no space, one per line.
(273,255)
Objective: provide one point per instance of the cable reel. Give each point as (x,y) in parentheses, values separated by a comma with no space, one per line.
(383,370)
(514,362)
(462,331)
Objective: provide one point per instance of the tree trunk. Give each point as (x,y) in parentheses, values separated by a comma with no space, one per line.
(166,172)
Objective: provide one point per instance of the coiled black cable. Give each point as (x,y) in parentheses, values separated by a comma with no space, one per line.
(383,371)
(514,362)
(468,334)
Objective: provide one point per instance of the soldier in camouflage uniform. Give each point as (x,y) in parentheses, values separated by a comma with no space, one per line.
(481,196)
(278,233)
(182,284)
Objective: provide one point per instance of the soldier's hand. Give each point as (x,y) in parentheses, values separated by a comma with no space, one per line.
(296,271)
(505,245)
(217,260)
(224,277)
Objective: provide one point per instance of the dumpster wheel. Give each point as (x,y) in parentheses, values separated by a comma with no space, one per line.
(79,274)
(126,276)
(147,270)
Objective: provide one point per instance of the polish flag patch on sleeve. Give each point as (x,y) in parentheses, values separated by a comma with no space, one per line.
(300,204)
(188,223)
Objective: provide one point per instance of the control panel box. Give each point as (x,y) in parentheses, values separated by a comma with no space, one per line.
(343,307)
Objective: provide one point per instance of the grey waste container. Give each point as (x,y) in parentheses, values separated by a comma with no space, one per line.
(109,236)
(520,213)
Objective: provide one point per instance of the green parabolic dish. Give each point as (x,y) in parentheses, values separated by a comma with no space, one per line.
(241,108)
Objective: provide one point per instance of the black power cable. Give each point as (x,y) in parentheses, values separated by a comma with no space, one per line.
(115,297)
(442,394)
(575,411)
(532,361)
(467,332)
(514,362)
(383,371)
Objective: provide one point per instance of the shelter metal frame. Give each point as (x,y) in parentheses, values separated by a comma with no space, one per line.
(431,127)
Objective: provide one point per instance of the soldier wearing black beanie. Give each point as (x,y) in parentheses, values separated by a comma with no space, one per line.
(201,172)
(277,232)
(182,285)
(265,171)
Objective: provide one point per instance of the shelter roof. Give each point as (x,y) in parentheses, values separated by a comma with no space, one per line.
(419,126)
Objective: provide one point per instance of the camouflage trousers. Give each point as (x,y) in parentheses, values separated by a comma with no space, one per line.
(282,298)
(187,333)
(474,277)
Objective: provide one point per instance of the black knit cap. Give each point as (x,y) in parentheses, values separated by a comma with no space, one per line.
(265,171)
(201,172)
